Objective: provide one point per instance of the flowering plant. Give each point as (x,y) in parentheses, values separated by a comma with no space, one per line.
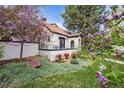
(102,79)
(114,23)
(59,57)
(73,55)
(66,55)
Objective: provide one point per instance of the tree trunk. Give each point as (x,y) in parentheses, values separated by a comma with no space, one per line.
(21,51)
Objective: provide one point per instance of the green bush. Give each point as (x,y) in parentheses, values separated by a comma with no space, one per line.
(61,61)
(4,75)
(74,61)
(122,57)
(84,56)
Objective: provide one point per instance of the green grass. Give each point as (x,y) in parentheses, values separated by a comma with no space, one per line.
(81,79)
(14,74)
(55,75)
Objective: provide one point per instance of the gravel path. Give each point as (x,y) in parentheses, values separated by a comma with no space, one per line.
(116,61)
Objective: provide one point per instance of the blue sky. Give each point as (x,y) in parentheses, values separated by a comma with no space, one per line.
(52,14)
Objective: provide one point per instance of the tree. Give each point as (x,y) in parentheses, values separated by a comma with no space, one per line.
(30,26)
(115,24)
(85,19)
(111,33)
(27,25)
(6,14)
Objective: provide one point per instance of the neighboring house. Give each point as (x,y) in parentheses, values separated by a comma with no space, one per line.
(59,42)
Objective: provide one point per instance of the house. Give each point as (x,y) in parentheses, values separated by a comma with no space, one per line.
(59,42)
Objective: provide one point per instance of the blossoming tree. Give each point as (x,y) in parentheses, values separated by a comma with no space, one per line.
(115,24)
(25,24)
(5,21)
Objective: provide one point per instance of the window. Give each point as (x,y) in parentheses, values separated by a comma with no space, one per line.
(72,44)
(61,42)
(48,38)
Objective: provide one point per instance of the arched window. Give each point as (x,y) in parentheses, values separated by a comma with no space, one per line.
(72,44)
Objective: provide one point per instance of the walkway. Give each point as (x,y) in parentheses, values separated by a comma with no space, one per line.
(116,61)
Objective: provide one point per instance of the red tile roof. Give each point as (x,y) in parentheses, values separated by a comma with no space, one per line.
(55,29)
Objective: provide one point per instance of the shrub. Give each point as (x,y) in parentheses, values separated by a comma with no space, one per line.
(84,56)
(66,55)
(61,61)
(73,55)
(59,57)
(74,61)
(79,54)
(122,57)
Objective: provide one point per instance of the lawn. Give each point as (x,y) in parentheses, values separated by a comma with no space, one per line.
(14,74)
(60,75)
(83,78)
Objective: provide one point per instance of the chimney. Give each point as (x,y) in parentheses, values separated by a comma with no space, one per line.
(44,19)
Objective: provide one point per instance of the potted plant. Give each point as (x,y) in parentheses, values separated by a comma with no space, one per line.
(73,55)
(66,55)
(59,57)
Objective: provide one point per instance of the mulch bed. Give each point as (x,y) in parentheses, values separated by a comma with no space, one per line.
(16,60)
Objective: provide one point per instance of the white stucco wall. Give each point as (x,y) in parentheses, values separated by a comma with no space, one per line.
(51,55)
(12,50)
(54,41)
(76,41)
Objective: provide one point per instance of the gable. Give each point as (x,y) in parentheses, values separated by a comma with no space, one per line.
(55,29)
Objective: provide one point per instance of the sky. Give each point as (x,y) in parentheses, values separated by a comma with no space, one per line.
(52,14)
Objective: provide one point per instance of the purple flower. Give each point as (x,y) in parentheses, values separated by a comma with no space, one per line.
(116,16)
(105,25)
(104,19)
(89,36)
(100,77)
(97,33)
(102,32)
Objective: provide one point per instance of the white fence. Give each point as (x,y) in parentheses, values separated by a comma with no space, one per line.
(51,54)
(12,50)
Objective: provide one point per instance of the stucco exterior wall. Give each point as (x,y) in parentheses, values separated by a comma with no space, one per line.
(53,47)
(76,41)
(54,41)
(51,55)
(12,50)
